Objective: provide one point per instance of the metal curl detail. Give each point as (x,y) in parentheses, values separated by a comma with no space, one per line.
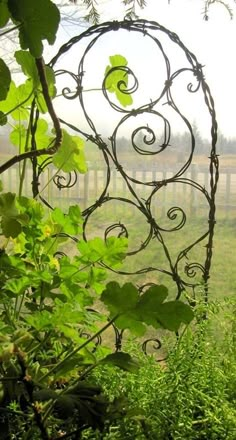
(66,91)
(143,192)
(156,344)
(172,214)
(191,89)
(58,180)
(123,230)
(152,139)
(190,269)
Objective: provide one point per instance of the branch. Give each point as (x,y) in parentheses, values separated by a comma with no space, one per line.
(14,28)
(29,386)
(56,123)
(42,76)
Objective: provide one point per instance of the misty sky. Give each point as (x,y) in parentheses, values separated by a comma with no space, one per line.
(212,41)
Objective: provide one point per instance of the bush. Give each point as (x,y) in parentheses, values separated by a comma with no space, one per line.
(191,397)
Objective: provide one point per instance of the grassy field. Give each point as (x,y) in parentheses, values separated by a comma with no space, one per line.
(223,278)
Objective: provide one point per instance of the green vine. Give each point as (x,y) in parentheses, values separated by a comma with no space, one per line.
(48,327)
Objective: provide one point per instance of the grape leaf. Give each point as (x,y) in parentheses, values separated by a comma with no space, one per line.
(18,285)
(96,278)
(10,227)
(70,155)
(17,98)
(121,360)
(70,223)
(116,250)
(111,251)
(150,301)
(129,321)
(5,80)
(11,219)
(3,118)
(152,310)
(39,21)
(19,134)
(173,313)
(28,66)
(4,13)
(118,79)
(7,205)
(120,299)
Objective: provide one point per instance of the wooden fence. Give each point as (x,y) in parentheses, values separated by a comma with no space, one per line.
(89,187)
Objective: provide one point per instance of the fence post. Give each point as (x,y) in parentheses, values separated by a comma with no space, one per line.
(86,190)
(227,191)
(193,195)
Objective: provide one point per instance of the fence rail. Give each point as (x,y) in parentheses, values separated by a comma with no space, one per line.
(89,186)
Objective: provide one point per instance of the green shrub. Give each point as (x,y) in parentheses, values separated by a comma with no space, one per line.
(191,397)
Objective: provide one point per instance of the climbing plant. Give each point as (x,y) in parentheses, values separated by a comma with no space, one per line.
(50,331)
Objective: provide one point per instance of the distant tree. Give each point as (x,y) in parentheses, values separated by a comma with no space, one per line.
(131,7)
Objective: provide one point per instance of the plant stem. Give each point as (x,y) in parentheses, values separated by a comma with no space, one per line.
(22,177)
(20,305)
(76,350)
(43,80)
(14,28)
(56,123)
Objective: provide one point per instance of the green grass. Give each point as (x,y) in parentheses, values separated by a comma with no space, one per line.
(191,397)
(222,277)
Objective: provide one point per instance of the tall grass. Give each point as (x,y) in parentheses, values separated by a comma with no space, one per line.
(192,396)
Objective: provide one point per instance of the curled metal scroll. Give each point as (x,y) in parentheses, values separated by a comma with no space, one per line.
(161,108)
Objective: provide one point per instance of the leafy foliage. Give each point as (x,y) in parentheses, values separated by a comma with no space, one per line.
(17,100)
(70,156)
(4,13)
(48,318)
(191,394)
(116,79)
(148,309)
(11,219)
(5,79)
(33,26)
(50,330)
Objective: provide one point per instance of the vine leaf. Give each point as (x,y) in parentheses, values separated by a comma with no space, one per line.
(17,98)
(5,80)
(111,252)
(172,313)
(39,21)
(3,118)
(122,360)
(4,13)
(149,304)
(18,137)
(29,68)
(116,79)
(70,155)
(133,310)
(70,223)
(120,299)
(129,321)
(152,309)
(18,285)
(11,219)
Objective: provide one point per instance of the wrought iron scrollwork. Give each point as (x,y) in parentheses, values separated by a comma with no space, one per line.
(149,124)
